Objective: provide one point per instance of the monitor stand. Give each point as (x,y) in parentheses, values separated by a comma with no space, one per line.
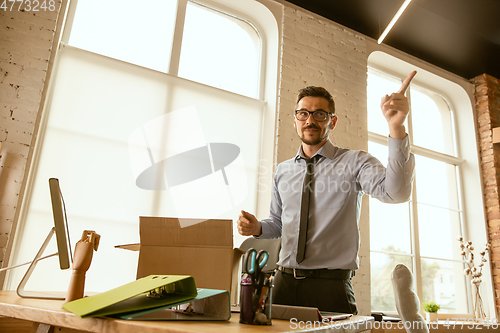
(20,288)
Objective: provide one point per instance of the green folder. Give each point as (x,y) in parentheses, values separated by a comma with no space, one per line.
(210,304)
(149,292)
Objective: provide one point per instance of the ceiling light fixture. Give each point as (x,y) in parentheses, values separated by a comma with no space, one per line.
(394,19)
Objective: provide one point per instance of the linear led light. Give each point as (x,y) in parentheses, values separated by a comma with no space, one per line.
(393,21)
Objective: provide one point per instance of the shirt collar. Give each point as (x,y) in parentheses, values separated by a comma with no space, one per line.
(328,150)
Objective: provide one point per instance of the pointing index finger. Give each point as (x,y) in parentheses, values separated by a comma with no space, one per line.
(407,82)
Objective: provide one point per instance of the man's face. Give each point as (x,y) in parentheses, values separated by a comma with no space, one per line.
(311,131)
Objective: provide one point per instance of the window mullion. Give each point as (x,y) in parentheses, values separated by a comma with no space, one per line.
(173,69)
(410,124)
(415,237)
(177,40)
(68,24)
(417,150)
(414,234)
(463,223)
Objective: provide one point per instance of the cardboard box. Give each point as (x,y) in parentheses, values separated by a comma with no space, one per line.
(203,249)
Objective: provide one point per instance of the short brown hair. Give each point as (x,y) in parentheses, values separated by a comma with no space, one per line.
(313,91)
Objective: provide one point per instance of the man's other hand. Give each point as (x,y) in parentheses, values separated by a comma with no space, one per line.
(248,225)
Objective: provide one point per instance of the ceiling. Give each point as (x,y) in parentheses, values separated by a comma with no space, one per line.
(460,36)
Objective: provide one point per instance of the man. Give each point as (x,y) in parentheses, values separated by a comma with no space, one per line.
(317,198)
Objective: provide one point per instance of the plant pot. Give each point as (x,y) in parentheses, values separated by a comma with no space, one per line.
(431,316)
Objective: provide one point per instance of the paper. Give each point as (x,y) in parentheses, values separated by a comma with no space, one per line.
(304,313)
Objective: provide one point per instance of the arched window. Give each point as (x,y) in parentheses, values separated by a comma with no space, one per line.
(231,61)
(145,118)
(422,232)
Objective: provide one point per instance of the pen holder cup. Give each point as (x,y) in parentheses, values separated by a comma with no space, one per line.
(255,300)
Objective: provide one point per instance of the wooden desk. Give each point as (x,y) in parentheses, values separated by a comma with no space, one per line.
(50,313)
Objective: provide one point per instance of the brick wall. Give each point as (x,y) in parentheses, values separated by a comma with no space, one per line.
(316,51)
(487,94)
(25,47)
(319,52)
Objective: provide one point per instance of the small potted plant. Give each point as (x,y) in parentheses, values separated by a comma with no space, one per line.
(431,308)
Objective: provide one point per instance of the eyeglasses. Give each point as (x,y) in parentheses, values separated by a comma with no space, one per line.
(318,115)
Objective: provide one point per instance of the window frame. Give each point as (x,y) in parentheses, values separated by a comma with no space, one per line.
(263,11)
(265,16)
(459,94)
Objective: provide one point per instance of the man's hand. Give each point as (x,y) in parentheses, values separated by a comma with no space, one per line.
(248,225)
(396,108)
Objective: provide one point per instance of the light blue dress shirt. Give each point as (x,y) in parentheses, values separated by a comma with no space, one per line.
(341,177)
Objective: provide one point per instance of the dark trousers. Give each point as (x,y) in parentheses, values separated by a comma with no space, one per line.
(324,294)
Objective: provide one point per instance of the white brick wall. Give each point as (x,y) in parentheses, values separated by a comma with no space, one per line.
(318,52)
(322,53)
(25,46)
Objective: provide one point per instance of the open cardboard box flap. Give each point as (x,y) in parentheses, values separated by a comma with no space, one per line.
(199,248)
(162,231)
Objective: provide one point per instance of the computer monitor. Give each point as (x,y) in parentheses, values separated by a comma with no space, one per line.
(60,229)
(61,224)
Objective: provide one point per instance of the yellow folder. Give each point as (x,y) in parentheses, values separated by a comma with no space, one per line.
(149,292)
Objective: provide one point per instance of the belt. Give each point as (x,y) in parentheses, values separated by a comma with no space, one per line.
(334,274)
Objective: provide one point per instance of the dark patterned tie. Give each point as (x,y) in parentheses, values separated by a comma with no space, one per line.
(304,209)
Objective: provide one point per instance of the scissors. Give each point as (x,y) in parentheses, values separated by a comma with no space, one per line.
(253,263)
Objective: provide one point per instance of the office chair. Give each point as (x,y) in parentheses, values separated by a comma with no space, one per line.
(407,302)
(272,246)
